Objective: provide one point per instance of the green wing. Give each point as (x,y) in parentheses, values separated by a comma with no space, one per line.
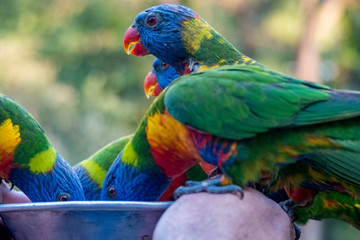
(239,101)
(344,165)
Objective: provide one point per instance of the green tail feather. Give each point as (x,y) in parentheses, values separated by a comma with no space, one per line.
(331,205)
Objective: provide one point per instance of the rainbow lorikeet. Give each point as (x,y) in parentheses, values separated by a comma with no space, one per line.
(92,171)
(161,75)
(29,161)
(180,37)
(255,124)
(192,44)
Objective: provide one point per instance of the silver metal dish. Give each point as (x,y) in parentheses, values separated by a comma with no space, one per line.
(88,220)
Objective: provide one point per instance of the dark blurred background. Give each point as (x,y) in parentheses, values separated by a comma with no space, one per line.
(63,60)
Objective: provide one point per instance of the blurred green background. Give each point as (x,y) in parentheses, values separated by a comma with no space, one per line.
(64,61)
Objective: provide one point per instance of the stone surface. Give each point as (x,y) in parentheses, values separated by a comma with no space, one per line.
(224,216)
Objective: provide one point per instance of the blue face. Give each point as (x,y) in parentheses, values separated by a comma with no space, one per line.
(165,74)
(127,183)
(61,184)
(160,32)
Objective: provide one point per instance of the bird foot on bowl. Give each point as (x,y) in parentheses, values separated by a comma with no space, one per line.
(288,207)
(214,185)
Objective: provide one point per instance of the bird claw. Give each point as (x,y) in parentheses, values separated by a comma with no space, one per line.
(192,183)
(8,182)
(297,231)
(288,207)
(213,185)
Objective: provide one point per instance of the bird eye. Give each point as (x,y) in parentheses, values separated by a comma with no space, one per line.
(63,196)
(111,192)
(164,65)
(151,20)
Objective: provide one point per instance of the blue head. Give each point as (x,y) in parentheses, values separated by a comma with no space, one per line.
(159,78)
(158,30)
(29,161)
(59,184)
(130,183)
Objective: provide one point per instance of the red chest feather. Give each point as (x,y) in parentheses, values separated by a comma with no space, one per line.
(171,144)
(177,182)
(301,194)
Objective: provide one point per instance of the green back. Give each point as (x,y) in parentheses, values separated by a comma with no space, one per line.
(33,140)
(209,48)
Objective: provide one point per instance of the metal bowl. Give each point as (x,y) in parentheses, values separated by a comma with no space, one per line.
(83,220)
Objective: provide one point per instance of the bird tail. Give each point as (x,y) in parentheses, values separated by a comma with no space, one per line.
(331,204)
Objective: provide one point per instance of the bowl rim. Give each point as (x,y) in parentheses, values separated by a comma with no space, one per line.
(85,206)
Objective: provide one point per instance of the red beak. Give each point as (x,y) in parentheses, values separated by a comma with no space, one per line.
(151,85)
(131,37)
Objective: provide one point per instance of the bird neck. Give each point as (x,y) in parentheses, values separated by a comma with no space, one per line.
(97,165)
(136,152)
(94,172)
(153,183)
(208,47)
(91,187)
(136,164)
(106,155)
(34,182)
(160,143)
